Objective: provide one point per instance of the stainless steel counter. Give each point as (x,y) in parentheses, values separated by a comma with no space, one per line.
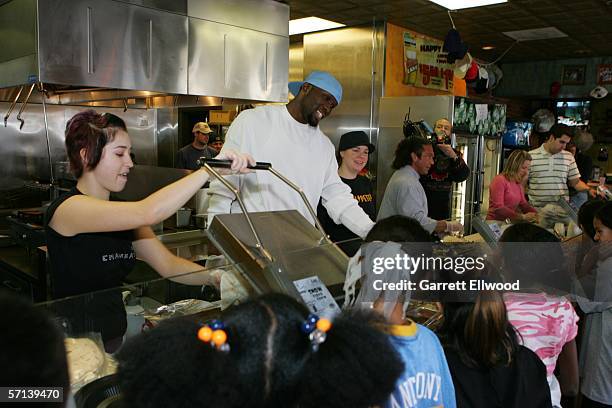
(25,272)
(191,244)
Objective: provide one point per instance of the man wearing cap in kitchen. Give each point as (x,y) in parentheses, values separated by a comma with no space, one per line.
(289,137)
(449,167)
(187,157)
(216,142)
(353,153)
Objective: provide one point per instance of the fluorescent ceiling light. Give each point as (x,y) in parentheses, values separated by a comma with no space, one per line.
(545,33)
(461,4)
(310,24)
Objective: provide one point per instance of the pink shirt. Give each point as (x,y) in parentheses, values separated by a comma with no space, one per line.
(545,324)
(505,198)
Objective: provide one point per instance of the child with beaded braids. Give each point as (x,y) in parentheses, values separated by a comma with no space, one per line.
(262,358)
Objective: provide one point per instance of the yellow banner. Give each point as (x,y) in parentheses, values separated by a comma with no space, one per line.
(425,64)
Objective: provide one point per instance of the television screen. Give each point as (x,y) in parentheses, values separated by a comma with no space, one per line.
(573,113)
(517,133)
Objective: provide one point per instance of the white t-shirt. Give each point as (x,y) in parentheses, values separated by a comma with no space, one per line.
(301,153)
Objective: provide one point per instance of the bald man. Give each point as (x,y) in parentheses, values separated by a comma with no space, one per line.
(449,167)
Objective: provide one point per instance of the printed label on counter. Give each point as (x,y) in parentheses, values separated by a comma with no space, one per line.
(317,297)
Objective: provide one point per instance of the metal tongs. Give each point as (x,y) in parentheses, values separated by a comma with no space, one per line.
(208,164)
(23,105)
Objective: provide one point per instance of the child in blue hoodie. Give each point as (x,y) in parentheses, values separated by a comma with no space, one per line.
(426,381)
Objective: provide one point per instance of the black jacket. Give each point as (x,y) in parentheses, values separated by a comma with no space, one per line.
(522,384)
(438,183)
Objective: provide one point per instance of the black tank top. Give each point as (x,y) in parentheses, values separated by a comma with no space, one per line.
(86,263)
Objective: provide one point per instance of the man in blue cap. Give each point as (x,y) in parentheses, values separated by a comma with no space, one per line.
(289,137)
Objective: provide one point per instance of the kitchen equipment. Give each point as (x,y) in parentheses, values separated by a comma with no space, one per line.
(103,392)
(62,174)
(23,105)
(275,249)
(29,194)
(479,128)
(490,232)
(183,217)
(201,220)
(26,227)
(31,215)
(201,201)
(10,110)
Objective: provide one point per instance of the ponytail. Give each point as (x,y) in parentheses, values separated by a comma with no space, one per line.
(480,332)
(489,330)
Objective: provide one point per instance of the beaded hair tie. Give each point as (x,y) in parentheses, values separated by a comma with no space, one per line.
(215,335)
(317,329)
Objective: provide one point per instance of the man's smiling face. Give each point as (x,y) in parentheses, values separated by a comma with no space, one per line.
(317,104)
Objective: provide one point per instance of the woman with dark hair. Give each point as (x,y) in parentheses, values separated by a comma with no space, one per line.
(268,360)
(596,350)
(583,259)
(93,242)
(488,365)
(398,228)
(602,222)
(546,322)
(586,214)
(353,153)
(506,193)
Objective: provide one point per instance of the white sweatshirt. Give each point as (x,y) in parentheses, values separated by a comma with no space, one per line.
(298,151)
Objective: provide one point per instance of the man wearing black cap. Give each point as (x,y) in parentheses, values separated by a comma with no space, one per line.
(353,154)
(289,137)
(216,142)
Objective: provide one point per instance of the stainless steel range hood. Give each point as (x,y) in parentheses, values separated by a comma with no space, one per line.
(151,54)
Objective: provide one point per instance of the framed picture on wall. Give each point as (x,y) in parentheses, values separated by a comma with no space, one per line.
(604,74)
(573,74)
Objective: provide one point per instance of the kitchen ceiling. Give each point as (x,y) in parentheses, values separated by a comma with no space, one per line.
(588,24)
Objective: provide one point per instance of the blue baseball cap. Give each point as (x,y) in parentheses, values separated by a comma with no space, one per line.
(320,79)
